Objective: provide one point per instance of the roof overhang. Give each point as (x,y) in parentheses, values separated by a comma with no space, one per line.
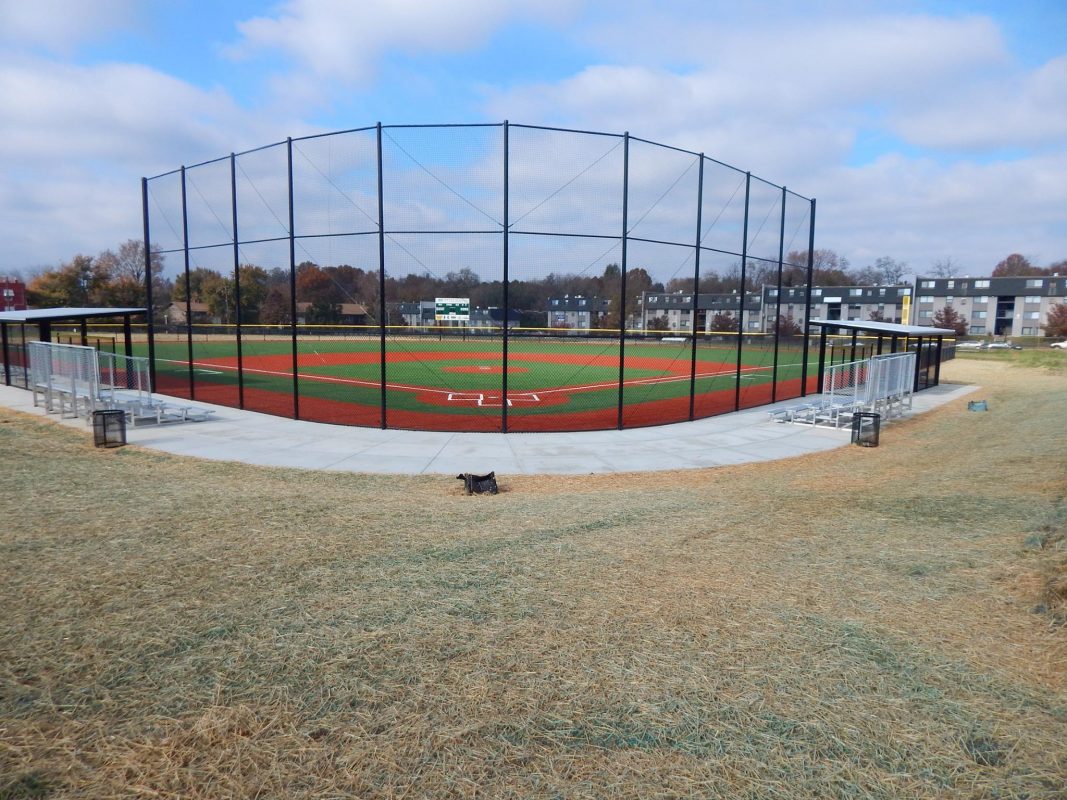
(891,328)
(64,314)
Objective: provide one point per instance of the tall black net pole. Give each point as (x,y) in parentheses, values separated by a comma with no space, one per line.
(807,307)
(381,271)
(505,301)
(292,279)
(237,282)
(147,286)
(778,301)
(7,357)
(696,290)
(188,289)
(741,305)
(622,281)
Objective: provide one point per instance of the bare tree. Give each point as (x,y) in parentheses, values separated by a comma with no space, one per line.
(944,268)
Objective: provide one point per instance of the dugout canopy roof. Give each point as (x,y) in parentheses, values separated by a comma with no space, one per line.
(890,328)
(67,314)
(43,318)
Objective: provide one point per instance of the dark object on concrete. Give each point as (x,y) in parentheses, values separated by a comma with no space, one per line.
(109,428)
(977,405)
(865,428)
(478,484)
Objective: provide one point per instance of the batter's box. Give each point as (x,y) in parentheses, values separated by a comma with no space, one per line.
(493,400)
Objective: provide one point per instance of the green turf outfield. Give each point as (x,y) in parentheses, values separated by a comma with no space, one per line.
(464,376)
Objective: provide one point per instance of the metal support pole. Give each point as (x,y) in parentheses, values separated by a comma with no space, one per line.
(7,357)
(778,299)
(807,306)
(622,282)
(292,279)
(188,290)
(44,331)
(504,348)
(822,353)
(937,363)
(127,334)
(381,272)
(741,314)
(881,336)
(83,331)
(148,283)
(855,339)
(696,290)
(918,363)
(237,283)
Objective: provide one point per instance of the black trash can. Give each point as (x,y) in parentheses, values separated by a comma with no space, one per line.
(865,428)
(109,428)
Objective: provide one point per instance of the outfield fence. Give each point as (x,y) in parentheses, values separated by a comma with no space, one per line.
(554,236)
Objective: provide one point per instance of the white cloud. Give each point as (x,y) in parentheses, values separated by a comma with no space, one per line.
(1027,109)
(794,103)
(920,211)
(78,139)
(59,25)
(341,40)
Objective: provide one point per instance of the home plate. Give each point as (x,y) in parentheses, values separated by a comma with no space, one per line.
(492,400)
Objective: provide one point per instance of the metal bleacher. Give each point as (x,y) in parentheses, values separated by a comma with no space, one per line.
(880,384)
(74,381)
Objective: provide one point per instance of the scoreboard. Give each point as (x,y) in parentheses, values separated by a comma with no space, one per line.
(452,309)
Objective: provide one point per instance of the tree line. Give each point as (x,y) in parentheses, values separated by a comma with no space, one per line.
(116,278)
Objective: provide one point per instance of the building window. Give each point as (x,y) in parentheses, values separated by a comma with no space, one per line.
(950,285)
(978,329)
(817,292)
(982,299)
(926,298)
(928,284)
(949,298)
(1032,298)
(926,314)
(1029,331)
(856,292)
(1035,283)
(772,293)
(979,314)
(1032,315)
(981,284)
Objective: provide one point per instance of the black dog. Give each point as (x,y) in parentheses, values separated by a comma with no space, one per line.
(478,484)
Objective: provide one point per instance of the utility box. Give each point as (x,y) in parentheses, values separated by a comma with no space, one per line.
(109,428)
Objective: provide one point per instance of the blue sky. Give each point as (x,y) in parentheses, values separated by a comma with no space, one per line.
(926,130)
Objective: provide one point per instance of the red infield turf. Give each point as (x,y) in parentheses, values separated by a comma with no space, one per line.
(650,412)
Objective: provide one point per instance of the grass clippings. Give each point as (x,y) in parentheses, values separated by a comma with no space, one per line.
(876,622)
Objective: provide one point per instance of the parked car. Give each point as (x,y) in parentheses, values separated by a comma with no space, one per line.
(1002,346)
(1061,345)
(970,345)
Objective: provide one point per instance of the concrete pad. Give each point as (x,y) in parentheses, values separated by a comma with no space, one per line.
(250,437)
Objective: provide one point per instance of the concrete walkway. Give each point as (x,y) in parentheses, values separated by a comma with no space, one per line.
(253,438)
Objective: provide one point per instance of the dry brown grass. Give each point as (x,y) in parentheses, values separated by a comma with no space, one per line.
(864,623)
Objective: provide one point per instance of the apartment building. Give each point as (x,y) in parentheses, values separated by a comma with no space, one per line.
(836,302)
(677,309)
(12,295)
(1011,306)
(761,308)
(576,312)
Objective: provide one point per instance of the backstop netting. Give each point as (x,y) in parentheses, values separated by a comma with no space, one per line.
(599,280)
